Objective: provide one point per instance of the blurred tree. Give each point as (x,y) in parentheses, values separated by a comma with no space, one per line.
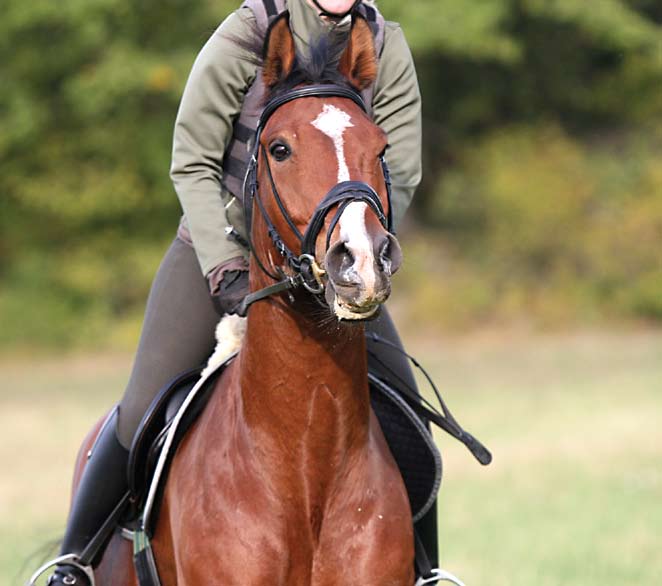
(89,91)
(88,97)
(482,64)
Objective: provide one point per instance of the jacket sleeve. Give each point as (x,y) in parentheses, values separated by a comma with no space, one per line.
(397,110)
(212,99)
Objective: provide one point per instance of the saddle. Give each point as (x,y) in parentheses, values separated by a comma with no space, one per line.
(181,401)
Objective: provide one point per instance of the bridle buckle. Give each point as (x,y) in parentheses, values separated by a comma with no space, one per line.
(308,267)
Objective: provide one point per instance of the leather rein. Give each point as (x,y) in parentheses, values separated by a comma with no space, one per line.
(304,270)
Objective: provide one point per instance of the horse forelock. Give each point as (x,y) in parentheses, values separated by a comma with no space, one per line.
(320,66)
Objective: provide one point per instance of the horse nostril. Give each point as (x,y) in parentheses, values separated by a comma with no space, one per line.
(346,258)
(389,257)
(340,262)
(385,253)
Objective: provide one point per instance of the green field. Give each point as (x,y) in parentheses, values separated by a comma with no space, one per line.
(573,498)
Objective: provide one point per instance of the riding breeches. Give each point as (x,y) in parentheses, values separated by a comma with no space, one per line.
(177,334)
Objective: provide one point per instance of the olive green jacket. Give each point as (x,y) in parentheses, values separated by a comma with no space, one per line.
(212,99)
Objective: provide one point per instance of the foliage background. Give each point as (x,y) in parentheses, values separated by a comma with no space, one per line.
(541,200)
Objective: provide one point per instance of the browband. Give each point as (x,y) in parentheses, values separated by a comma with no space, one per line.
(324,90)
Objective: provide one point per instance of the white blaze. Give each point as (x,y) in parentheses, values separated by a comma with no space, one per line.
(333,122)
(353,232)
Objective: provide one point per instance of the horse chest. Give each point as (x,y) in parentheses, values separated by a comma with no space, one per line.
(366,535)
(244,531)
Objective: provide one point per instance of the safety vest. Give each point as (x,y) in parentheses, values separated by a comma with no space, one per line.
(237,153)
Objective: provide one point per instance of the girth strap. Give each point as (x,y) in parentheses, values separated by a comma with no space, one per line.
(144,561)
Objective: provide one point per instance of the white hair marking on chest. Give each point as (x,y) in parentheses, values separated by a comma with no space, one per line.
(333,122)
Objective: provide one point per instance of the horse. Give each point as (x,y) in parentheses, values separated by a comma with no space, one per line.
(286,477)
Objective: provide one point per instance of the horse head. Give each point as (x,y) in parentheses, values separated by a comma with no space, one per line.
(323,201)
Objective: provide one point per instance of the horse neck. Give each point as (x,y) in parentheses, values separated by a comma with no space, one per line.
(304,386)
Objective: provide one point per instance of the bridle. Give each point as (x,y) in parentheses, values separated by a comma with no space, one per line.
(304,270)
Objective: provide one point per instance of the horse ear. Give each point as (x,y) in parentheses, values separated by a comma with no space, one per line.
(359,61)
(279,51)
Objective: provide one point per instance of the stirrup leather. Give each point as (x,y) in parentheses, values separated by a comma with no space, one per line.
(439,575)
(69,559)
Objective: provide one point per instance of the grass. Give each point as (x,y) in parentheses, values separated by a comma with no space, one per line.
(572,497)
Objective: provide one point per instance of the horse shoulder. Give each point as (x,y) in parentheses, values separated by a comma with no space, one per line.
(218,504)
(369,519)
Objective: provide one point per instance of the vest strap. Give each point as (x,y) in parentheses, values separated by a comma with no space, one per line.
(270,8)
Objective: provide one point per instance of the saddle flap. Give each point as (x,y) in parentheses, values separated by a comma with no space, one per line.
(411,444)
(156,418)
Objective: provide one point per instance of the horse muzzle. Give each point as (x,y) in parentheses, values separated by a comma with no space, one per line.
(359,276)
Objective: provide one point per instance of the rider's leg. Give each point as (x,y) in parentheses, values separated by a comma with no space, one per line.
(426,527)
(177,334)
(102,485)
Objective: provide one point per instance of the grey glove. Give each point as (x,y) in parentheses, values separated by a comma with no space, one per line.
(231,292)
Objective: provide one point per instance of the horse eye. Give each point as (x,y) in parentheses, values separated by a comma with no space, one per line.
(280,151)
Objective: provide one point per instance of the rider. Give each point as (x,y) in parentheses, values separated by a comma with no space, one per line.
(204,272)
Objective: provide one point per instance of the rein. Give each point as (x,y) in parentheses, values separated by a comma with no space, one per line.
(305,270)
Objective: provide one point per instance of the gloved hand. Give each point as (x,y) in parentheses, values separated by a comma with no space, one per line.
(230,291)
